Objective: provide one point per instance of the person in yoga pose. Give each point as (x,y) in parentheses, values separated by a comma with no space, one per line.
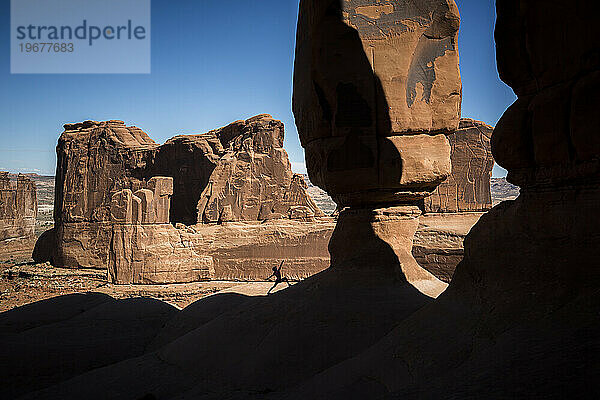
(278,279)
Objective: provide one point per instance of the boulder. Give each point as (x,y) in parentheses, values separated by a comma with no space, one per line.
(376,90)
(519,319)
(543,138)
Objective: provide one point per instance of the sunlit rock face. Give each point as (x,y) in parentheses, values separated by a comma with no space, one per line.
(18,207)
(253,179)
(468,186)
(377,85)
(376,90)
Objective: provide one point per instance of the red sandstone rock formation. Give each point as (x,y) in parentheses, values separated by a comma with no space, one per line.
(272,344)
(94,161)
(144,247)
(439,244)
(468,186)
(18,207)
(377,87)
(118,193)
(368,97)
(253,179)
(519,319)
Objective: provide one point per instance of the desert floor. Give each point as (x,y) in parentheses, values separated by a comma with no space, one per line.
(23,282)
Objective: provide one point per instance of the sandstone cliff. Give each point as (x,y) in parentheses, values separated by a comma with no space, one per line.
(253,179)
(18,207)
(468,186)
(119,195)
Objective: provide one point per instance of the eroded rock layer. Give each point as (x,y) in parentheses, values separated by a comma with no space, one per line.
(119,194)
(376,90)
(439,241)
(519,320)
(376,86)
(253,179)
(95,160)
(545,137)
(18,207)
(468,186)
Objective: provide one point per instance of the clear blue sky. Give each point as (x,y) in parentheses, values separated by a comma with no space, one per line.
(213,62)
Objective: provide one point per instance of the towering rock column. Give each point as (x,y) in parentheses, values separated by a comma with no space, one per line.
(551,60)
(376,88)
(520,317)
(548,53)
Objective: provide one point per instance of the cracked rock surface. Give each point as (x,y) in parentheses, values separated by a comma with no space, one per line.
(137,209)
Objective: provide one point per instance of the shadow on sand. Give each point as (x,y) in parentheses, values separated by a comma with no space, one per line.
(92,346)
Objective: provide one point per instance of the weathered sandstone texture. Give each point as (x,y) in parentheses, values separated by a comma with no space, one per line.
(247,251)
(119,195)
(377,168)
(99,167)
(383,241)
(377,89)
(144,247)
(456,204)
(253,179)
(439,241)
(18,207)
(468,186)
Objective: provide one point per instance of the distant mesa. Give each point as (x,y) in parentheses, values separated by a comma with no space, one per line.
(18,208)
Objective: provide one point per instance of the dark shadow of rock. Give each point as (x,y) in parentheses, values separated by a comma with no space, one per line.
(518,320)
(53,340)
(260,344)
(45,247)
(196,315)
(47,312)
